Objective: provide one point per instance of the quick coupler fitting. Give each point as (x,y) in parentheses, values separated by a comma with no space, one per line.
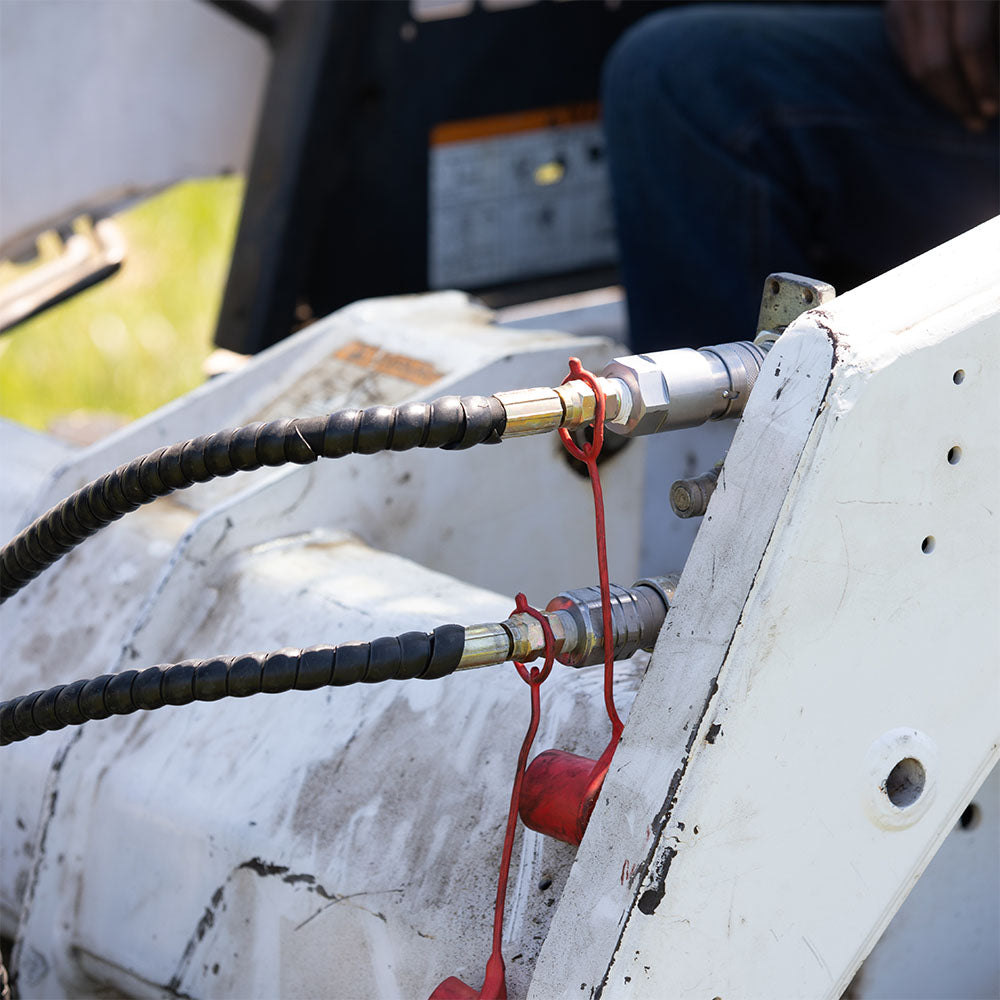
(667,390)
(637,615)
(644,393)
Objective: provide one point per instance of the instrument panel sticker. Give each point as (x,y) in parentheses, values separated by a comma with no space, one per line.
(518,196)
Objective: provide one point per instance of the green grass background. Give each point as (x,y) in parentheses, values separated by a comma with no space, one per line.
(138,339)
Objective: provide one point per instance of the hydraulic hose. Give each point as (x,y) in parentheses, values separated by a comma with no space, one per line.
(424,655)
(642,394)
(451,422)
(574,620)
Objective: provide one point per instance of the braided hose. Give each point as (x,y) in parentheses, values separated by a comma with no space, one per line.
(451,422)
(425,655)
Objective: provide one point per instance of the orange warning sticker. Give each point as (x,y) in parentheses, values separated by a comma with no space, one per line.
(385,363)
(518,121)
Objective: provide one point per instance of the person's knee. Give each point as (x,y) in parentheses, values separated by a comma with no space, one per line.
(672,62)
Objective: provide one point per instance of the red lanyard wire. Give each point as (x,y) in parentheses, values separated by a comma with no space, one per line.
(588,454)
(494,982)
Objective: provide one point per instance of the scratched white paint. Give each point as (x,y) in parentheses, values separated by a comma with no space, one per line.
(150,583)
(344,843)
(163,608)
(397,812)
(671,700)
(764,873)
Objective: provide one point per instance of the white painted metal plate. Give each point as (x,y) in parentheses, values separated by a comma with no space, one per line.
(843,588)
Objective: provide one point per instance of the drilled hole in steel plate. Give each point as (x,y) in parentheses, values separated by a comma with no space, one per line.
(927,545)
(954,455)
(971,816)
(959,377)
(905,783)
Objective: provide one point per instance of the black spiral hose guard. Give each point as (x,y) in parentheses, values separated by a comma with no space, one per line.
(451,422)
(424,655)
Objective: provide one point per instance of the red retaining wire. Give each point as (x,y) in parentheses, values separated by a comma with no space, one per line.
(589,454)
(494,982)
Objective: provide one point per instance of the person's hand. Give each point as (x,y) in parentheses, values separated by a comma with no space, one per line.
(950,48)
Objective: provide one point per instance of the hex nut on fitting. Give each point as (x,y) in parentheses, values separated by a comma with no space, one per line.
(650,402)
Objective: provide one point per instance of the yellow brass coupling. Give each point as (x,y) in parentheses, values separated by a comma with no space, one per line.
(540,410)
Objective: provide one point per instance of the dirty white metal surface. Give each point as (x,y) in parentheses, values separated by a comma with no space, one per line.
(199,574)
(101,100)
(340,845)
(34,456)
(345,843)
(745,844)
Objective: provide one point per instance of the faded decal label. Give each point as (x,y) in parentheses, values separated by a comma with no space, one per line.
(402,366)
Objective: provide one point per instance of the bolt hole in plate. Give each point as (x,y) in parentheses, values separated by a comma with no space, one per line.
(905,783)
(959,377)
(954,455)
(899,778)
(971,817)
(927,545)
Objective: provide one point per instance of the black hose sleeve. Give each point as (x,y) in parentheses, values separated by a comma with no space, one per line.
(425,655)
(451,422)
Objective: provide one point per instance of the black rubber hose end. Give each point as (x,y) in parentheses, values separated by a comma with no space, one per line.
(451,422)
(412,654)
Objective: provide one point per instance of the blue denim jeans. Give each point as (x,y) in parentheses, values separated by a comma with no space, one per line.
(749,139)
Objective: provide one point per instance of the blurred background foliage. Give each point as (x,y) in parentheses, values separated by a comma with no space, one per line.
(137,340)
